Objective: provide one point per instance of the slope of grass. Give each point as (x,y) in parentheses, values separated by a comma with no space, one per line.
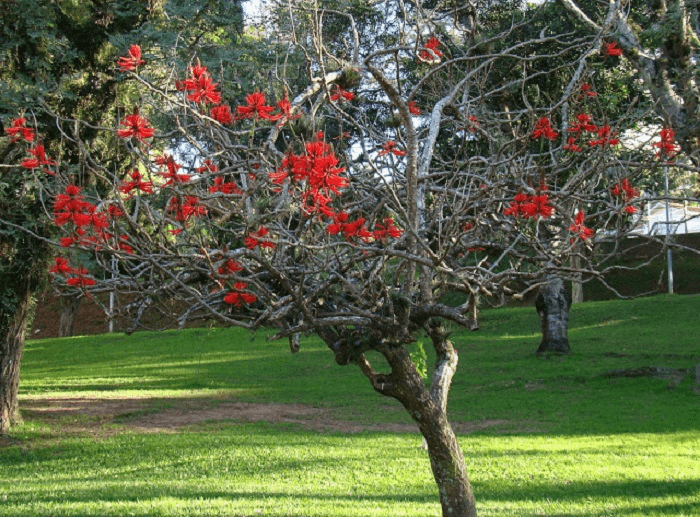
(569,437)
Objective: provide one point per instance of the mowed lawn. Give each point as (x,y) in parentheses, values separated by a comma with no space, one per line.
(219,422)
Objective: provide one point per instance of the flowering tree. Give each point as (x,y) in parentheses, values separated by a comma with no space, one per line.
(396,174)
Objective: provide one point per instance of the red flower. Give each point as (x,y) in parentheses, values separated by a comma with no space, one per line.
(472,123)
(579,229)
(319,168)
(238,298)
(583,124)
(185,209)
(530,206)
(285,114)
(171,175)
(611,49)
(207,166)
(61,267)
(40,158)
(627,192)
(114,211)
(587,90)
(604,135)
(81,279)
(571,146)
(390,147)
(224,187)
(222,114)
(230,267)
(413,108)
(255,239)
(71,207)
(19,131)
(256,108)
(204,91)
(136,183)
(667,146)
(542,206)
(135,126)
(544,128)
(430,50)
(132,60)
(386,229)
(341,94)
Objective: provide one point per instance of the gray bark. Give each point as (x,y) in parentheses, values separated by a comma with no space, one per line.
(553,303)
(69,312)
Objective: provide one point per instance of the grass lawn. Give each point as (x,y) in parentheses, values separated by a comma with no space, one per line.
(219,422)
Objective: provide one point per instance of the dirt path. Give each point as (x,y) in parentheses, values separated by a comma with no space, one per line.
(169,415)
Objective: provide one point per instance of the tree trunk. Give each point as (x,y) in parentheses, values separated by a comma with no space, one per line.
(553,303)
(473,312)
(11,349)
(69,311)
(576,284)
(406,385)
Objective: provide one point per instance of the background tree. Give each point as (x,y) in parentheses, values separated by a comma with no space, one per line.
(57,58)
(315,213)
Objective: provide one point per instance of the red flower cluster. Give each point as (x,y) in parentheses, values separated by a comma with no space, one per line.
(255,239)
(200,86)
(19,131)
(627,193)
(530,206)
(132,60)
(71,207)
(285,114)
(207,166)
(229,267)
(390,147)
(135,126)
(225,187)
(604,137)
(667,146)
(60,267)
(318,167)
(238,297)
(256,108)
(386,229)
(544,128)
(430,52)
(578,228)
(583,123)
(357,228)
(185,209)
(341,94)
(587,91)
(222,114)
(413,108)
(40,158)
(171,174)
(611,49)
(136,183)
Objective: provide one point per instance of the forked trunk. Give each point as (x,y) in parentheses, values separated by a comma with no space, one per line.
(553,303)
(428,411)
(11,348)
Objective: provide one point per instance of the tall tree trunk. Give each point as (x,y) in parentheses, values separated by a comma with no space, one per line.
(553,303)
(11,349)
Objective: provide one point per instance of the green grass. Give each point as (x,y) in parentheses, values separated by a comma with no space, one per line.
(565,438)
